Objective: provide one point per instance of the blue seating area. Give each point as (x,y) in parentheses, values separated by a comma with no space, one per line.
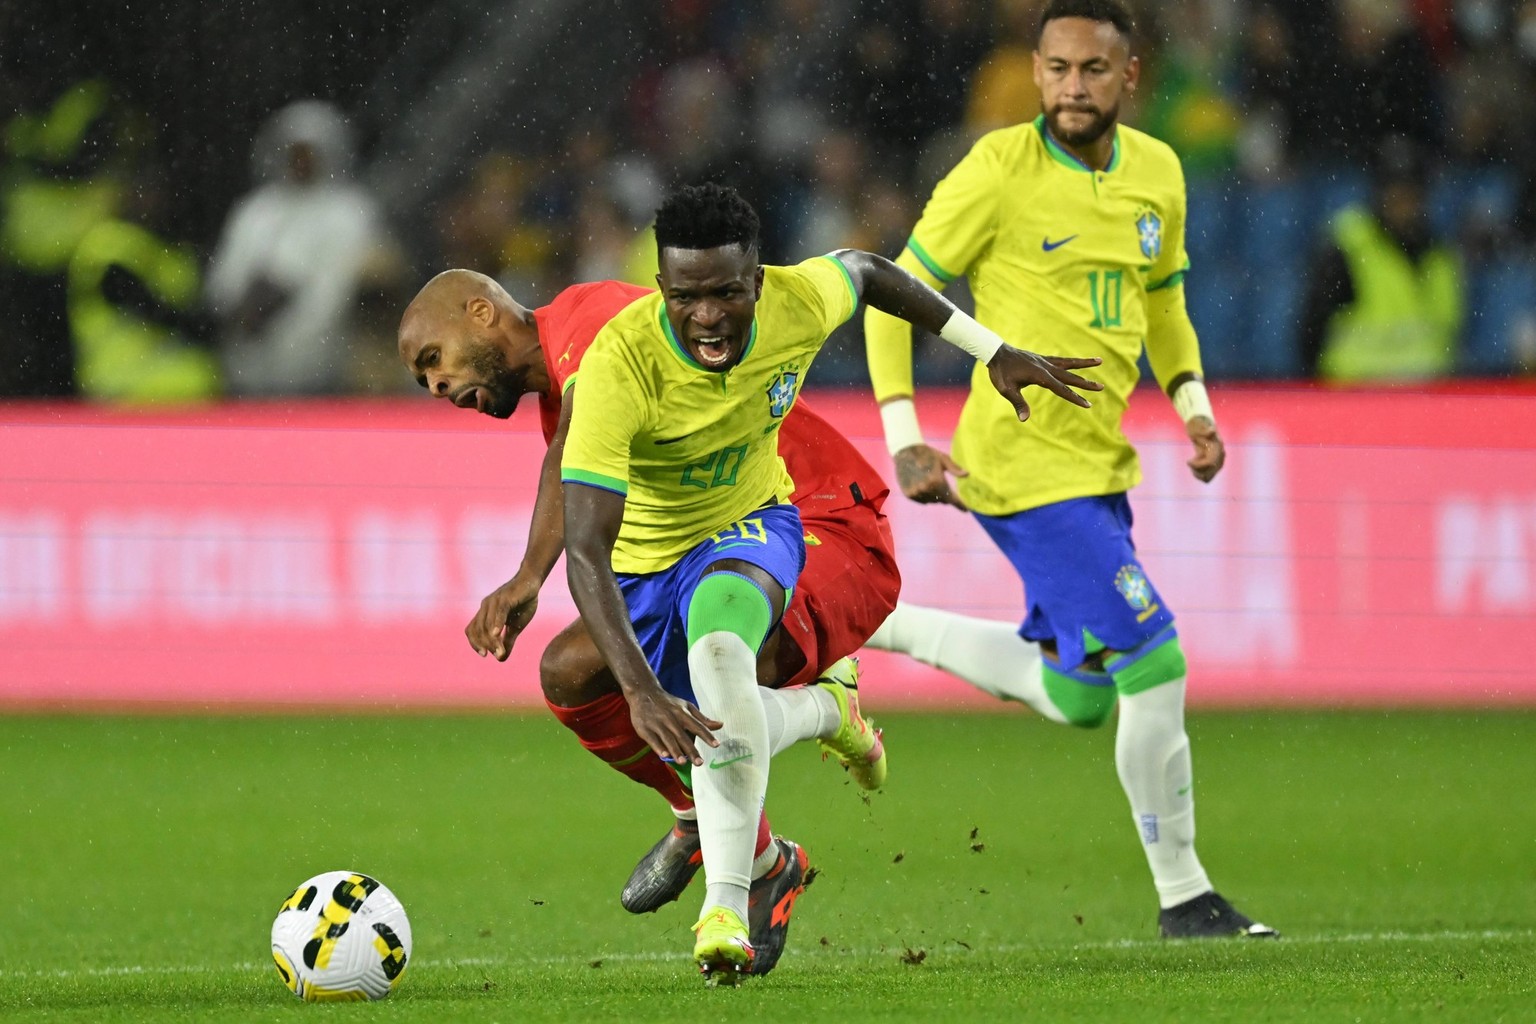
(1250,246)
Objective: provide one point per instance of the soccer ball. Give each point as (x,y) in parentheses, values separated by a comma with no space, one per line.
(341,937)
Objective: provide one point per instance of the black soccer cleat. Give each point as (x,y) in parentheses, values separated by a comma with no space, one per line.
(1209,916)
(770,902)
(665,871)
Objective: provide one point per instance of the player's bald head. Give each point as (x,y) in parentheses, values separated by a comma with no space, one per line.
(464,338)
(446,298)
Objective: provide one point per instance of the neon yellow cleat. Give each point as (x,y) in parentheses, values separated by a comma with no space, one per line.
(722,949)
(856,744)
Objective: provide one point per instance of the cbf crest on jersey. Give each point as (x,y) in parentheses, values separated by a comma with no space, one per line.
(1149,229)
(781,392)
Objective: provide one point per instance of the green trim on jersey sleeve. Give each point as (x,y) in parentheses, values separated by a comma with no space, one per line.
(853,292)
(569,383)
(929,262)
(607,483)
(1171,281)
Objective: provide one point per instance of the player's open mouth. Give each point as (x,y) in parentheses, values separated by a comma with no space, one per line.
(713,353)
(471,398)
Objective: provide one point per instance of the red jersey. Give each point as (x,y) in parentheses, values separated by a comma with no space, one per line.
(566,329)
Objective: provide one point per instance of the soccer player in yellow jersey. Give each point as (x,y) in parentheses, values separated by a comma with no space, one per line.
(1069,227)
(682,546)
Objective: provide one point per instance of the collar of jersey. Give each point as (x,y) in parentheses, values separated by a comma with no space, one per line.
(1066,158)
(682,353)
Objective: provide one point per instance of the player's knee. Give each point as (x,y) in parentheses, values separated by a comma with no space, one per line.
(571,671)
(1084,698)
(1155,663)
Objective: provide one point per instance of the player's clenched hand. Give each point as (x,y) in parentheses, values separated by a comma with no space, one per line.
(1013,369)
(923,473)
(504,614)
(669,724)
(1210,453)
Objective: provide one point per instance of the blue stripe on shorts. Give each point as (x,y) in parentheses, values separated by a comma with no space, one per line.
(1080,573)
(771,538)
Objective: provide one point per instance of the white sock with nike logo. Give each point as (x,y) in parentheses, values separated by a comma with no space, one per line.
(799,713)
(730,785)
(1152,757)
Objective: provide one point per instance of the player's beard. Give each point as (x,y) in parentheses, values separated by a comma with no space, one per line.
(503,386)
(1103,121)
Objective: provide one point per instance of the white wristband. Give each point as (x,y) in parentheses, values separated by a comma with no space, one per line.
(1190,400)
(965,333)
(899,417)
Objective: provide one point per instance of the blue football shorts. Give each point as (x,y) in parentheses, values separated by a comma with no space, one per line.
(1081,576)
(771,538)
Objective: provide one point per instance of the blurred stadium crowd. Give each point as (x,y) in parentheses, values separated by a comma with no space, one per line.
(202,200)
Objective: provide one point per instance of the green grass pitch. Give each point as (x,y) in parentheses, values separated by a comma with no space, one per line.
(996,878)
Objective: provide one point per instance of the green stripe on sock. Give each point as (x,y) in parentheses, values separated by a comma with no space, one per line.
(1083,704)
(1138,671)
(633,758)
(727,602)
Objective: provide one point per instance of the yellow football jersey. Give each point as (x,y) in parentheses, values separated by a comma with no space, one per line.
(1062,260)
(694,451)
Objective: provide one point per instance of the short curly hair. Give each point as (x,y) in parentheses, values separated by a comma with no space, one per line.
(1112,11)
(706,216)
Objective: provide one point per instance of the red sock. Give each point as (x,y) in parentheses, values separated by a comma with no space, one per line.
(764,834)
(604,728)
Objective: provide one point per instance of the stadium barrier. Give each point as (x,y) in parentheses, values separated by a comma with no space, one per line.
(1374,548)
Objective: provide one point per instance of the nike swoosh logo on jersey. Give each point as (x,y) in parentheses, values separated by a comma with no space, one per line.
(1046,245)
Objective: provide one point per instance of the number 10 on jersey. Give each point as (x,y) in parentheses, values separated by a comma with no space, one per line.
(1104,293)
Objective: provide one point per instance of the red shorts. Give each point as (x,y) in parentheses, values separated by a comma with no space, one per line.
(850,581)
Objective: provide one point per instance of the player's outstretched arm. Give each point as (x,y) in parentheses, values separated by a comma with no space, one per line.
(893,290)
(668,724)
(506,611)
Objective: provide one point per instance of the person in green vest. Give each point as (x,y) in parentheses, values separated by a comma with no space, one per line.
(62,174)
(1387,298)
(99,304)
(134,304)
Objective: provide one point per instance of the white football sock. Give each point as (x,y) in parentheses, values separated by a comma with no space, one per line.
(764,862)
(729,786)
(1152,757)
(989,655)
(799,713)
